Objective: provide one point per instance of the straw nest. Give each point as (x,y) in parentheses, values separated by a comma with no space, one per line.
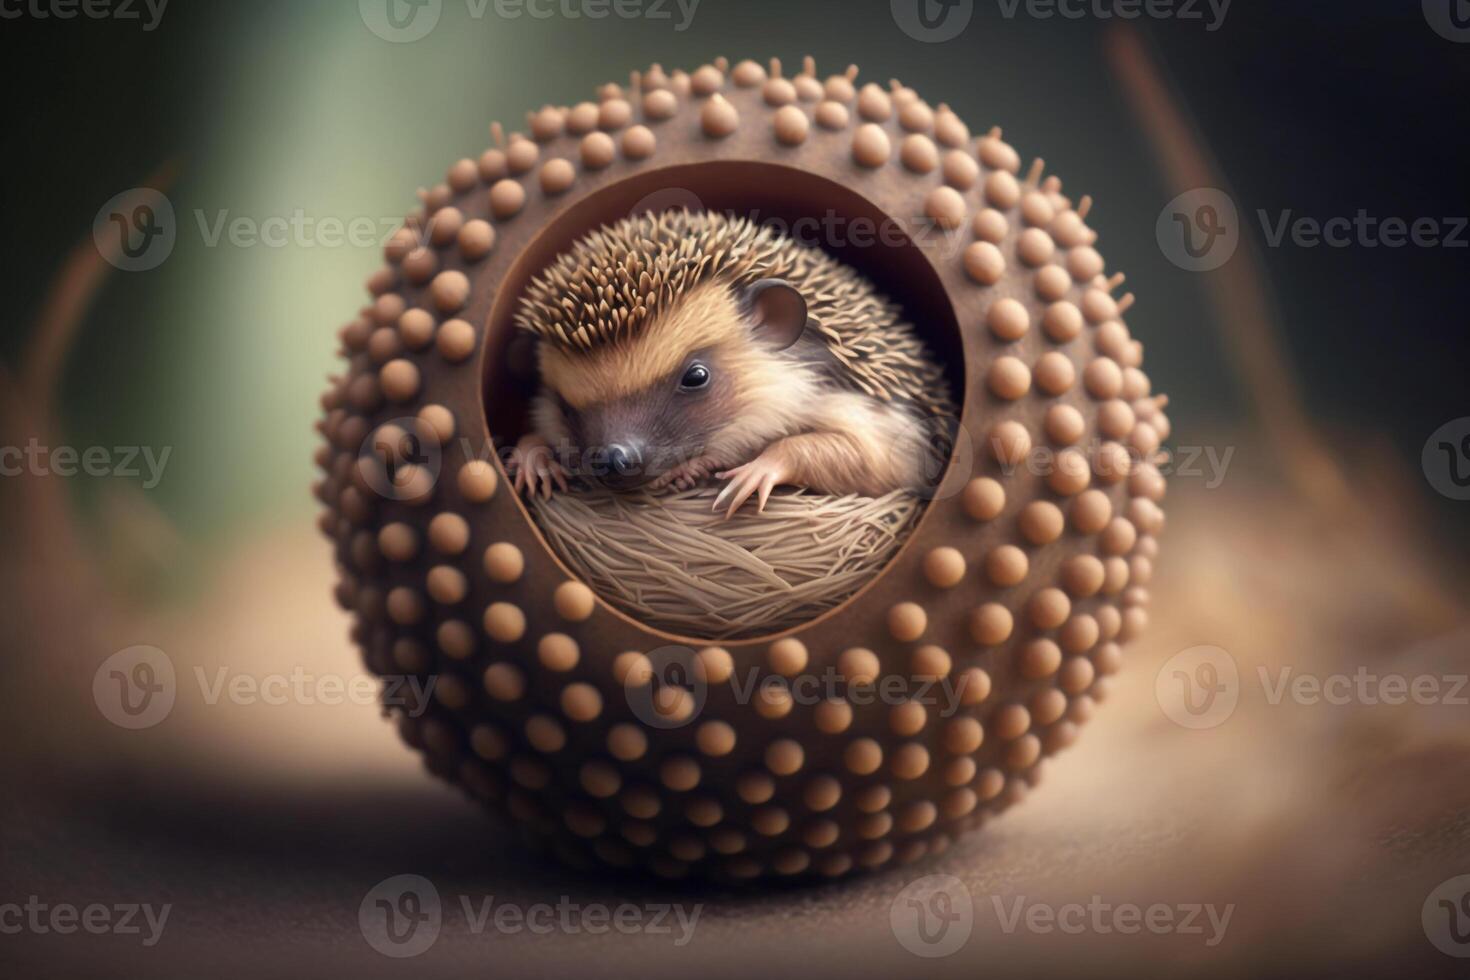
(674,564)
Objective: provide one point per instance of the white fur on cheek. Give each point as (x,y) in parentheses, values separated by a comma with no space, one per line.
(772,398)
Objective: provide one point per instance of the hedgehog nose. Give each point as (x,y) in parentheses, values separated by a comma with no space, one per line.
(624,458)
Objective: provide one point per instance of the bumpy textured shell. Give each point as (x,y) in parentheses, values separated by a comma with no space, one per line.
(1016,588)
(614,281)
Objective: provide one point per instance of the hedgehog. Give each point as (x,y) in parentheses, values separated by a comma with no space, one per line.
(678,346)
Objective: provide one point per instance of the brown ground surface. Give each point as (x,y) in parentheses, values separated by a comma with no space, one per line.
(1326,826)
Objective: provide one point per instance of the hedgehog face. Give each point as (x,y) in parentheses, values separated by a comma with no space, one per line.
(661,345)
(624,442)
(706,379)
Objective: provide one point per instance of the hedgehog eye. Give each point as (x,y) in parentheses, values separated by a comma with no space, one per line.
(696,376)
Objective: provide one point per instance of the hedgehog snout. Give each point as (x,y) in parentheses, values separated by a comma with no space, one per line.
(629,441)
(625,458)
(622,461)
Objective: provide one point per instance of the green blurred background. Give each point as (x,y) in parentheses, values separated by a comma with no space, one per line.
(269,108)
(267,824)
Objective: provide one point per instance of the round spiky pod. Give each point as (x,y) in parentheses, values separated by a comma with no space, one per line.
(1000,617)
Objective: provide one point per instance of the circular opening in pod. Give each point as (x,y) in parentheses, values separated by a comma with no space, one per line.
(671,562)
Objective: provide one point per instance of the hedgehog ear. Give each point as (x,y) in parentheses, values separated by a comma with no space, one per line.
(777,311)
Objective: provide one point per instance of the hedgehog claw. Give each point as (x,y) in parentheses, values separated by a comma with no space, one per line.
(535,468)
(760,476)
(552,474)
(685,475)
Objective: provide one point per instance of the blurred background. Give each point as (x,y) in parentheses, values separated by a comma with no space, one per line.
(1328,542)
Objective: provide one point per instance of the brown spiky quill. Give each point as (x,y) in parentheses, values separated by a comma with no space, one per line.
(608,287)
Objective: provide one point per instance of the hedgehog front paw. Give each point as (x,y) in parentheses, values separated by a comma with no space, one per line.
(535,467)
(759,476)
(686,474)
